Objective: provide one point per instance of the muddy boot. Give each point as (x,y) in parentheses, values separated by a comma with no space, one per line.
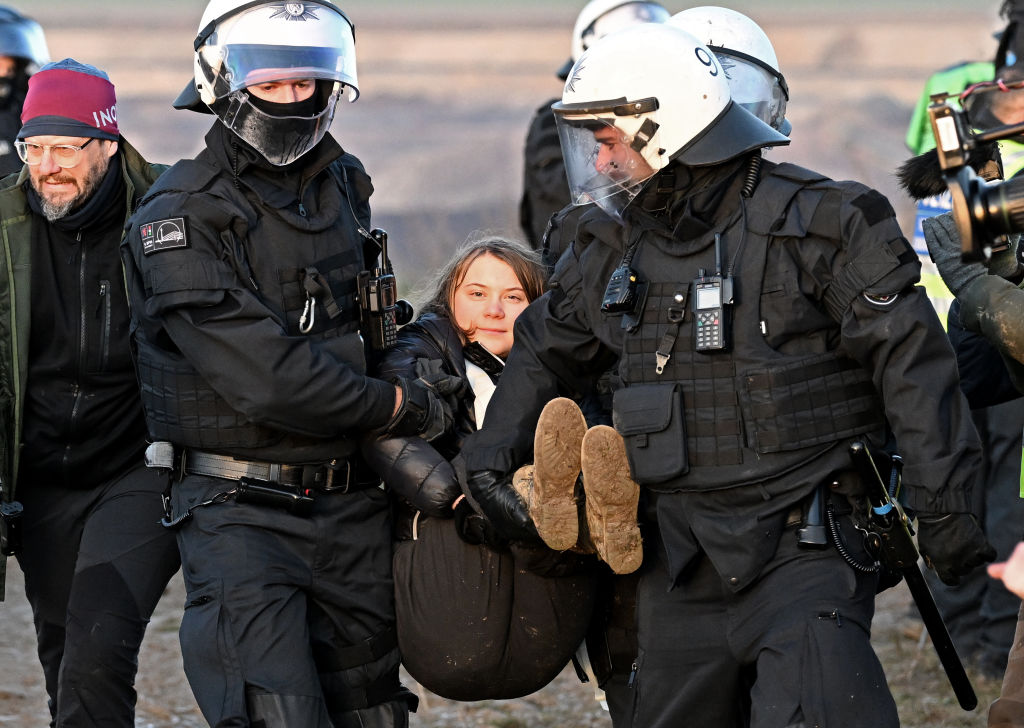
(522,482)
(556,467)
(611,500)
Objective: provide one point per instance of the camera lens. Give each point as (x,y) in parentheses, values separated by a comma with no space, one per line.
(986,211)
(1000,207)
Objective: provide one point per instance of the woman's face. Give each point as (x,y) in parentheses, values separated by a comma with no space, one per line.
(487,303)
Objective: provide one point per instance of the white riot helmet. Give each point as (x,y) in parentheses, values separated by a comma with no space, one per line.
(598,18)
(641,98)
(243,43)
(748,57)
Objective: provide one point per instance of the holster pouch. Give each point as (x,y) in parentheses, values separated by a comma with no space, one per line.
(650,419)
(10,528)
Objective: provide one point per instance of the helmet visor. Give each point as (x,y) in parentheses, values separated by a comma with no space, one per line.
(755,88)
(280,139)
(603,162)
(249,65)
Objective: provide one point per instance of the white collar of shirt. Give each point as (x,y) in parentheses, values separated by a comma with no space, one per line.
(483,388)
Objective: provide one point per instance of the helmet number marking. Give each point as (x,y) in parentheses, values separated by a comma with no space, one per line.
(706,59)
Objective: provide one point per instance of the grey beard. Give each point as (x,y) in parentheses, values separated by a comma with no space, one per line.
(53,212)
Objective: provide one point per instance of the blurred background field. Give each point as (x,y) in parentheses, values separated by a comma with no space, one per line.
(448,89)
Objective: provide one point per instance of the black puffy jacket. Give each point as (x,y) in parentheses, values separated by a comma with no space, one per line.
(420,472)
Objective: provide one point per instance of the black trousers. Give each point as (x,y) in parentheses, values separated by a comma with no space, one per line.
(96,561)
(289,620)
(791,650)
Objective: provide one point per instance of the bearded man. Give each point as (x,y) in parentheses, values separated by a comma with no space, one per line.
(72,431)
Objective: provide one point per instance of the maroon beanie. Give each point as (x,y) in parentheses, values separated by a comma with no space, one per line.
(68,98)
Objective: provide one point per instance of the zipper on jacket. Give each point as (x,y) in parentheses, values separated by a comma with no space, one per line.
(103,307)
(82,349)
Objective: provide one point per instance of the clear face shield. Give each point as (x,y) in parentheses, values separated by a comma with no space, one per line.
(756,88)
(604,163)
(250,64)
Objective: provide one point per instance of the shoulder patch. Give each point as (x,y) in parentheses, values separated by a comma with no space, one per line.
(164,235)
(874,206)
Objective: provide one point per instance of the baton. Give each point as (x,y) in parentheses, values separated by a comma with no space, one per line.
(897,550)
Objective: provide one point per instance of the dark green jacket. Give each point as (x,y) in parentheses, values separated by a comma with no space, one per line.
(16,222)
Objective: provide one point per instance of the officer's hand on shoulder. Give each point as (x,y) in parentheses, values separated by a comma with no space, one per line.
(952,544)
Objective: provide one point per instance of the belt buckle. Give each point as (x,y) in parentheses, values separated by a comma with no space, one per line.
(336,477)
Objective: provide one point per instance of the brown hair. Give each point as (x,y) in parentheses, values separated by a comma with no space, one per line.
(524,262)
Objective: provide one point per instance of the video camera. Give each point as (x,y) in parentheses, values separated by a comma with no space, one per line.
(985,212)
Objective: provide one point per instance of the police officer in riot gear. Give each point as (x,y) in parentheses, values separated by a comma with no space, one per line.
(763,317)
(544,184)
(22,52)
(756,83)
(243,269)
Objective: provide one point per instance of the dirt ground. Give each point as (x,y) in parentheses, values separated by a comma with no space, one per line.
(448,89)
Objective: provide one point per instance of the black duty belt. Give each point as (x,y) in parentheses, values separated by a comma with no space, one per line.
(337,476)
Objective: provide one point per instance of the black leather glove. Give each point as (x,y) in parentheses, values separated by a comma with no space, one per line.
(423,411)
(476,529)
(502,505)
(952,544)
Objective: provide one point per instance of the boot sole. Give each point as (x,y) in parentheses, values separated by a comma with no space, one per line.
(611,500)
(556,466)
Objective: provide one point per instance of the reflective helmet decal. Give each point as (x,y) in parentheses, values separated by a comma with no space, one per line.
(294,11)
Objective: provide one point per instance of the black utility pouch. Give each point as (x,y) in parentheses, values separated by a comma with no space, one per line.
(10,528)
(650,419)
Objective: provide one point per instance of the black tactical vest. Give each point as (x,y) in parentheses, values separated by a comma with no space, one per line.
(708,421)
(294,271)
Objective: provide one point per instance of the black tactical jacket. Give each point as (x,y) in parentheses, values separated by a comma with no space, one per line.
(242,281)
(829,334)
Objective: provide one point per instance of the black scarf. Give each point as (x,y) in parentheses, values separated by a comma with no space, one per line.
(484,359)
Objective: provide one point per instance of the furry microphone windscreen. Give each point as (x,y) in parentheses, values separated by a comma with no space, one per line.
(922,177)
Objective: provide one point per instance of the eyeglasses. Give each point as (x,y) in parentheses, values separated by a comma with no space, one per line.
(63,155)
